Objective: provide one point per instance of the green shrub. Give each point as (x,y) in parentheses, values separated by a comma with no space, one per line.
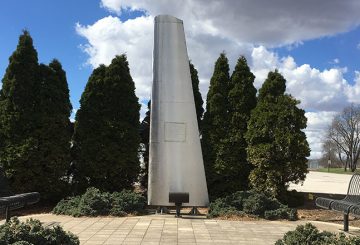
(220,207)
(237,199)
(251,203)
(68,206)
(258,203)
(32,232)
(283,212)
(94,203)
(308,234)
(126,202)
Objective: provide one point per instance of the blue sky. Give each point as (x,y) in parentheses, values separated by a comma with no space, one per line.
(52,27)
(322,52)
(315,46)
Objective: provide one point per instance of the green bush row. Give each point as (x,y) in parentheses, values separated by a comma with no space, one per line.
(251,203)
(94,203)
(32,232)
(308,234)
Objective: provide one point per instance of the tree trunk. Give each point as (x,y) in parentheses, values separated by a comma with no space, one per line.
(346,163)
(353,166)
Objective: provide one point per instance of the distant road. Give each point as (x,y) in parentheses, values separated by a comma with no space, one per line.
(319,182)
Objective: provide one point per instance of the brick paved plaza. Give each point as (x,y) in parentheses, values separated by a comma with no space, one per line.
(165,229)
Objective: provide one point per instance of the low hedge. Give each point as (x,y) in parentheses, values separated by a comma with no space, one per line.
(251,203)
(94,203)
(221,208)
(32,232)
(308,234)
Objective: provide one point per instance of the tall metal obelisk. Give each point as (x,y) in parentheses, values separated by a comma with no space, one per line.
(176,163)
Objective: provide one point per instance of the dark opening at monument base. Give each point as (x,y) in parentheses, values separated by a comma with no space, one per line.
(178,198)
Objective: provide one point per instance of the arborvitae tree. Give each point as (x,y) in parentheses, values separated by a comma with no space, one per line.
(106,137)
(277,146)
(197,95)
(231,163)
(55,134)
(216,120)
(19,112)
(145,148)
(88,119)
(34,119)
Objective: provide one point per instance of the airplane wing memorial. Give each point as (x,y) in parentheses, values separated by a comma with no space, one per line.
(176,167)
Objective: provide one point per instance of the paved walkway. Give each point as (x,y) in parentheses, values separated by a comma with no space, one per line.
(165,229)
(318,182)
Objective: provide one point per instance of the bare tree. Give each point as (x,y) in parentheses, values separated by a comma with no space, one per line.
(332,152)
(344,133)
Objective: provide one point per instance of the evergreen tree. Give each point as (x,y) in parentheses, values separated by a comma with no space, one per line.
(215,122)
(34,112)
(106,137)
(55,134)
(231,162)
(87,136)
(18,103)
(277,146)
(197,95)
(19,107)
(145,148)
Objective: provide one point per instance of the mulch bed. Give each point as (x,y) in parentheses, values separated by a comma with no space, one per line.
(33,209)
(326,216)
(306,212)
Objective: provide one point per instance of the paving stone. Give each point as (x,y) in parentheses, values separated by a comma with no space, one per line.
(186,240)
(165,229)
(93,242)
(112,242)
(99,237)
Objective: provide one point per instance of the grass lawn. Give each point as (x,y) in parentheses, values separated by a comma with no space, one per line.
(336,170)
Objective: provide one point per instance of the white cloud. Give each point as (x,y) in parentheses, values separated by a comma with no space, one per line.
(262,61)
(317,124)
(322,92)
(353,92)
(318,90)
(109,37)
(211,29)
(319,120)
(73,113)
(112,5)
(259,22)
(335,61)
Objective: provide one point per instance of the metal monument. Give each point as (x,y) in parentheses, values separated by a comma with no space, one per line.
(175,162)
